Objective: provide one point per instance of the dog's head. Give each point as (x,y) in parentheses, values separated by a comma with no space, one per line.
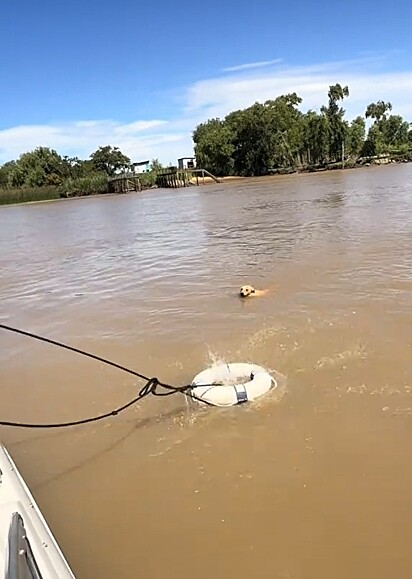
(246,290)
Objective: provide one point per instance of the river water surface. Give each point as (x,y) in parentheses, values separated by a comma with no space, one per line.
(312,482)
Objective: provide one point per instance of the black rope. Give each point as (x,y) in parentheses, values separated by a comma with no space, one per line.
(149,388)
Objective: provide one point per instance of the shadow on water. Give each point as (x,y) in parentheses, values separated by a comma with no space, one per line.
(112,445)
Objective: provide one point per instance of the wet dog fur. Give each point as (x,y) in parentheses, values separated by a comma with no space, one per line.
(248,291)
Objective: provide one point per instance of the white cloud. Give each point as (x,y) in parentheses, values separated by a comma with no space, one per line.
(250,65)
(168,139)
(137,139)
(217,96)
(137,127)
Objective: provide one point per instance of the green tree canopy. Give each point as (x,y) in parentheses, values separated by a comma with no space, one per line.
(5,171)
(37,168)
(214,147)
(315,139)
(387,132)
(356,137)
(338,127)
(109,160)
(378,110)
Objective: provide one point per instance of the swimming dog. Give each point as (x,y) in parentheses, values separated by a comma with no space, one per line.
(248,291)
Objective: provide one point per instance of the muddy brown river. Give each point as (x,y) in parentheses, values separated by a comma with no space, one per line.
(312,482)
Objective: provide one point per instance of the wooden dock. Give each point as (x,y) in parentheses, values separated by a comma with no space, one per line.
(174,177)
(169,177)
(124,183)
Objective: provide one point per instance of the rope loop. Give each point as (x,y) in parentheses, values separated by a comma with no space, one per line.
(150,387)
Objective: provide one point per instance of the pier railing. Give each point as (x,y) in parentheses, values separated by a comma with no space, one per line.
(169,177)
(174,177)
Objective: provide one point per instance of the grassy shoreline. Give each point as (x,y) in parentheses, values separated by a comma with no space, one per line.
(28,195)
(60,198)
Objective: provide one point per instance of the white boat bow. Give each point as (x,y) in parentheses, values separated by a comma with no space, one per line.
(28,549)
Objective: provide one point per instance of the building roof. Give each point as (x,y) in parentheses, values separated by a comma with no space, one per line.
(140,163)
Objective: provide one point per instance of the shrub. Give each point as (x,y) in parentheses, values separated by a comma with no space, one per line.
(90,185)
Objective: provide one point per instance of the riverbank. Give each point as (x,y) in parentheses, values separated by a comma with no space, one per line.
(65,199)
(348,164)
(12,197)
(378,161)
(19,196)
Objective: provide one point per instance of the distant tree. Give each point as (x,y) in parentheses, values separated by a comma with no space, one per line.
(213,147)
(5,171)
(109,160)
(338,127)
(378,110)
(253,141)
(315,138)
(75,168)
(156,166)
(266,136)
(356,136)
(387,132)
(336,93)
(395,131)
(286,123)
(37,168)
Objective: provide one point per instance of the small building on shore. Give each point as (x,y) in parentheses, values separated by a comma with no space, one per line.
(186,163)
(141,167)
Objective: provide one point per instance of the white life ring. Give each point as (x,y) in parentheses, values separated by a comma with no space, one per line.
(222,385)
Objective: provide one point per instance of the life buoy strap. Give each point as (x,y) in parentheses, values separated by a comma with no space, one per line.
(241,393)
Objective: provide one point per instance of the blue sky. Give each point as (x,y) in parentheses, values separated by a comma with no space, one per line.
(139,75)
